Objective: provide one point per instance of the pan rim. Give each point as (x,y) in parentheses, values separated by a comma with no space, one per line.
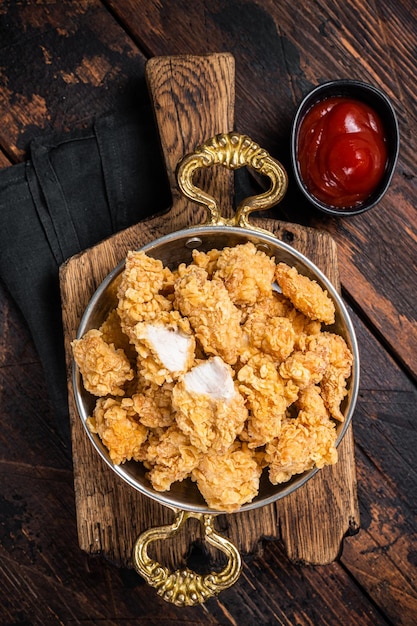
(164,498)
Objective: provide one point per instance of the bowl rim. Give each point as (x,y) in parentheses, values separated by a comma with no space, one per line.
(374,96)
(165,498)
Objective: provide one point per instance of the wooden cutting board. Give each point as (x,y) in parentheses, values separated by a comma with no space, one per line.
(193,99)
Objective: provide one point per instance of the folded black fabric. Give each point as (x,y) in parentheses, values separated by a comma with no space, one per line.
(75,191)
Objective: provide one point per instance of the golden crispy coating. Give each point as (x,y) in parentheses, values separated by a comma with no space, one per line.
(206,260)
(212,315)
(229,479)
(111,330)
(103,368)
(209,408)
(171,457)
(117,424)
(273,336)
(264,390)
(339,367)
(305,442)
(305,294)
(274,305)
(303,328)
(246,272)
(304,368)
(311,401)
(139,293)
(165,347)
(154,405)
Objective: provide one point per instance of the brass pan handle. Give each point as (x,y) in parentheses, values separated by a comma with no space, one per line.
(184,587)
(232,151)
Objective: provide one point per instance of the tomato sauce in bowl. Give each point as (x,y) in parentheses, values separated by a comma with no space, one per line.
(342,151)
(344,146)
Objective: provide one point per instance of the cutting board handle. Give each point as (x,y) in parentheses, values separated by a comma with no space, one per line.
(193,98)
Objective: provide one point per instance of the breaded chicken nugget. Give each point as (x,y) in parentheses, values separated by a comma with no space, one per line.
(104,368)
(212,315)
(209,408)
(165,347)
(172,457)
(274,336)
(305,294)
(117,424)
(305,442)
(154,405)
(310,400)
(303,327)
(206,260)
(274,305)
(111,330)
(229,479)
(264,390)
(304,368)
(246,272)
(334,382)
(140,290)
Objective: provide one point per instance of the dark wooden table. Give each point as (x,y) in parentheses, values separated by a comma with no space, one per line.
(62,64)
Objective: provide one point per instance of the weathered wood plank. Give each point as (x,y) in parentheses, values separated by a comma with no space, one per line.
(66,64)
(382,555)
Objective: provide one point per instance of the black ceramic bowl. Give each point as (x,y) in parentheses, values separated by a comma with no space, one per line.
(379,102)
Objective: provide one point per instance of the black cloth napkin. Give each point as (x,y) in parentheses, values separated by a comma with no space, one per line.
(74,191)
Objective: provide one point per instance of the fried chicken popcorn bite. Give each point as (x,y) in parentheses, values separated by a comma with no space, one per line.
(140,292)
(304,368)
(206,260)
(117,424)
(166,347)
(339,367)
(310,400)
(303,328)
(229,479)
(264,390)
(246,272)
(104,369)
(305,294)
(171,457)
(112,334)
(212,314)
(209,408)
(153,404)
(305,442)
(264,334)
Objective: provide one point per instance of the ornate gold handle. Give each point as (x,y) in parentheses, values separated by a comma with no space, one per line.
(184,587)
(232,151)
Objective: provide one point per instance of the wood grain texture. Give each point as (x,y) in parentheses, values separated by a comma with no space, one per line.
(193,99)
(67,63)
(63,63)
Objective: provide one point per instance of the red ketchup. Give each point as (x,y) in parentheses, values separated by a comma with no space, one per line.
(342,151)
